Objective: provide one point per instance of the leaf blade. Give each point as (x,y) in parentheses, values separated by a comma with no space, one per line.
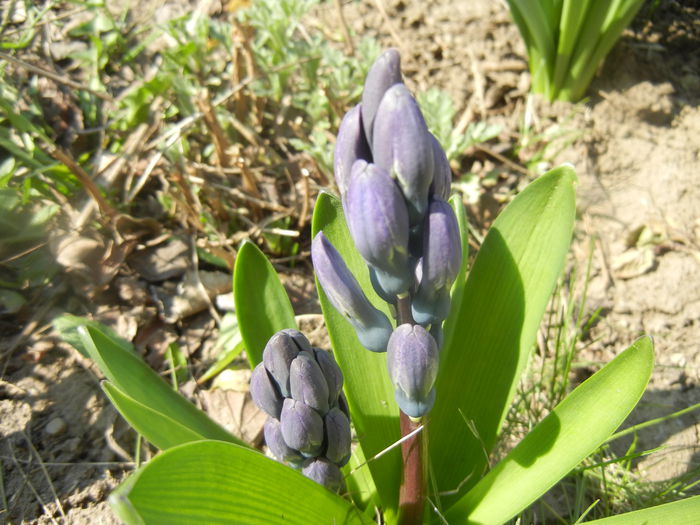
(262,305)
(572,431)
(370,394)
(136,379)
(504,299)
(215,482)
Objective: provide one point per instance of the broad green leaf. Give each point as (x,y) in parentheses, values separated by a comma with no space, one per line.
(573,430)
(504,299)
(683,512)
(262,304)
(219,483)
(370,394)
(161,430)
(67,326)
(138,381)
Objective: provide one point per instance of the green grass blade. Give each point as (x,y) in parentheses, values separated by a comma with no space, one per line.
(506,293)
(573,430)
(613,26)
(533,20)
(138,381)
(262,305)
(573,16)
(683,512)
(161,430)
(370,394)
(219,483)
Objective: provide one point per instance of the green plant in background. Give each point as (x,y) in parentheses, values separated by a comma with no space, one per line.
(567,39)
(206,475)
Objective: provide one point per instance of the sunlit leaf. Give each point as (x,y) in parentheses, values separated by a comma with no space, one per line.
(262,305)
(219,483)
(573,430)
(504,299)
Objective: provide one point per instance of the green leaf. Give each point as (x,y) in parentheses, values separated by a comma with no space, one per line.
(67,327)
(504,299)
(230,345)
(161,430)
(135,379)
(262,305)
(370,394)
(683,512)
(573,430)
(219,483)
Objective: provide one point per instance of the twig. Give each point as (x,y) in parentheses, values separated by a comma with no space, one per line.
(502,158)
(390,26)
(344,26)
(65,158)
(31,487)
(53,76)
(46,475)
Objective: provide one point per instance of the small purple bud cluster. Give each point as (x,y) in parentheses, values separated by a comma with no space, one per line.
(300,389)
(394,180)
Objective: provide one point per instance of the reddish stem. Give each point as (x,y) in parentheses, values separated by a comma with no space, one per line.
(413,484)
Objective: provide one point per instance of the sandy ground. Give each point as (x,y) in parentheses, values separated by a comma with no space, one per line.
(636,146)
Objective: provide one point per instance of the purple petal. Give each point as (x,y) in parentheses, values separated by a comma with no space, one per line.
(265,391)
(302,427)
(343,291)
(401,144)
(384,73)
(350,146)
(275,442)
(307,382)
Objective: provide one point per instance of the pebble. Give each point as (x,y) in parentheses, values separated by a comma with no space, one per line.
(55,426)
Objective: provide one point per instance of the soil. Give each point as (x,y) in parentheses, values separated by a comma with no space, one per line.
(635,143)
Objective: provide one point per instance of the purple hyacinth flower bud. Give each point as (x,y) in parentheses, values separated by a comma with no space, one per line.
(401,144)
(337,437)
(265,391)
(442,257)
(378,222)
(343,404)
(343,291)
(307,383)
(384,73)
(324,473)
(279,353)
(413,360)
(438,334)
(302,427)
(331,372)
(442,173)
(275,442)
(350,146)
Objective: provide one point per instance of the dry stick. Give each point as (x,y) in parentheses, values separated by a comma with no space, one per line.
(53,76)
(89,185)
(414,481)
(345,28)
(46,475)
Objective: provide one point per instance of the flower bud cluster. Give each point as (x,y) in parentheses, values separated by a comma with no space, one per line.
(300,388)
(394,181)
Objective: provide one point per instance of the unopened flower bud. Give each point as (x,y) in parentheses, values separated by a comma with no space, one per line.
(401,144)
(343,404)
(279,353)
(442,257)
(277,445)
(307,382)
(324,473)
(350,146)
(265,391)
(442,173)
(377,218)
(302,427)
(343,291)
(337,436)
(384,73)
(413,361)
(331,372)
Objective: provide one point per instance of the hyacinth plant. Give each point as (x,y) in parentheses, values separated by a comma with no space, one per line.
(566,40)
(426,357)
